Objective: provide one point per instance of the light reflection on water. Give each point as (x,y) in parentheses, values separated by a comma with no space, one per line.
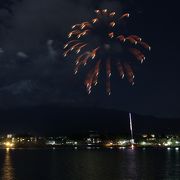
(172,168)
(7,170)
(66,164)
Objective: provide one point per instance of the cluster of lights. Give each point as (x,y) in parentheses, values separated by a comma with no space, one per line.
(8,144)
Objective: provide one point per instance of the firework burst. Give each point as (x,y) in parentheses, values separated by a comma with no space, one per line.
(103,42)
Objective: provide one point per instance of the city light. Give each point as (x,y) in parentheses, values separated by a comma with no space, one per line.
(169,143)
(93,140)
(109,144)
(143,143)
(132,146)
(8,144)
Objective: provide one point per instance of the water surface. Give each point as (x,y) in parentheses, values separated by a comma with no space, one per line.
(43,164)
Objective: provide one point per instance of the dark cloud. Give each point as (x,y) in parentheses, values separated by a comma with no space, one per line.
(21,87)
(37,21)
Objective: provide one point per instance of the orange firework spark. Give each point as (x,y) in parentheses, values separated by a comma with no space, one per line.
(100,41)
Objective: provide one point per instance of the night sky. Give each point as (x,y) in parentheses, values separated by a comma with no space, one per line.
(34,73)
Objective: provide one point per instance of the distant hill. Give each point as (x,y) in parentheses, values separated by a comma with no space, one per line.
(56,119)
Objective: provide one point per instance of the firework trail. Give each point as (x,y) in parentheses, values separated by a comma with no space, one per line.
(103,42)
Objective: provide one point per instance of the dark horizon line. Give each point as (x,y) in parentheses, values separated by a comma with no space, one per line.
(83,106)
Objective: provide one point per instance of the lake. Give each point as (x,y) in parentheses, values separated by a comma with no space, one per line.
(69,164)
